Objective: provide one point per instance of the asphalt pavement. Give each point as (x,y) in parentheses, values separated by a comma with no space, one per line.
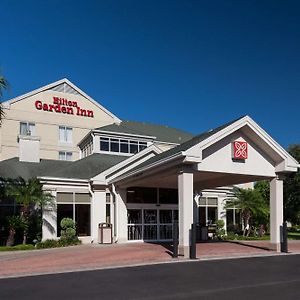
(276,277)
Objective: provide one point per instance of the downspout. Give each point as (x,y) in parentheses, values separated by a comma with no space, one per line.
(92,217)
(116,211)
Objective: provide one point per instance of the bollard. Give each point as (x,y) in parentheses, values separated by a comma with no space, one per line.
(193,242)
(284,243)
(175,239)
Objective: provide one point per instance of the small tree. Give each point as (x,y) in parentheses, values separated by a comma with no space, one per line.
(31,196)
(68,233)
(250,203)
(14,223)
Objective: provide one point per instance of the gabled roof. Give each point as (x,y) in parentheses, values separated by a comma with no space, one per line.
(185,152)
(57,86)
(160,132)
(186,145)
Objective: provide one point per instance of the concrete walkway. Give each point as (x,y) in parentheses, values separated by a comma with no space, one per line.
(91,257)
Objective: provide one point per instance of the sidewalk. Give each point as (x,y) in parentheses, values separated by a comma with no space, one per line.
(90,257)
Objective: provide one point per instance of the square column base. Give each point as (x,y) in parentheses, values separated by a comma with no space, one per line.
(275,247)
(184,251)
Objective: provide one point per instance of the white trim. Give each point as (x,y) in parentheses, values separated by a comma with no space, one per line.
(53,84)
(290,162)
(113,133)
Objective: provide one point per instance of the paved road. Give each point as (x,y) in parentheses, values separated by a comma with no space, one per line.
(252,278)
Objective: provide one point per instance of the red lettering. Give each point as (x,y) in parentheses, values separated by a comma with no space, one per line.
(55,100)
(70,111)
(38,105)
(78,111)
(57,108)
(51,106)
(63,110)
(45,107)
(74,104)
(90,113)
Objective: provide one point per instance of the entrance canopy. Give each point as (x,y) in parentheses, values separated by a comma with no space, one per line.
(237,152)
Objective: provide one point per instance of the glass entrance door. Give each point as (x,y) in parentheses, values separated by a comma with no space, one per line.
(151,224)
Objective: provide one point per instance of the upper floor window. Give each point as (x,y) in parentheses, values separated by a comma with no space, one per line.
(87,149)
(65,134)
(63,155)
(121,145)
(27,128)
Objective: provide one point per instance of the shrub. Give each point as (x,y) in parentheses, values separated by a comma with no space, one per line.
(48,244)
(220,231)
(68,232)
(17,247)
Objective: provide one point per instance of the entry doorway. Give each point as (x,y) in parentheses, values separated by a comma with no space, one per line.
(151,224)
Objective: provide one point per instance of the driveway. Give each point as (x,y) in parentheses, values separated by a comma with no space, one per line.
(91,257)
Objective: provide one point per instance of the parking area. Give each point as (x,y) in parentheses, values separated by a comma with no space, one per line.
(90,257)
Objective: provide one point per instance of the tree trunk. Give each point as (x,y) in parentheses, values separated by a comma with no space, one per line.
(11,237)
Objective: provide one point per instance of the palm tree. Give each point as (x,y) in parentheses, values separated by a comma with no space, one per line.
(31,196)
(3,86)
(250,203)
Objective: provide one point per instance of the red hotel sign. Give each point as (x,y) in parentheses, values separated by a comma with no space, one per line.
(64,106)
(240,150)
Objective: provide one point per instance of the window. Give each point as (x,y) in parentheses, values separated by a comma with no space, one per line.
(77,207)
(116,145)
(65,134)
(87,149)
(63,155)
(208,210)
(27,128)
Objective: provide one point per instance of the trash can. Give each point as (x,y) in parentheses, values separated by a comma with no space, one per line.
(105,233)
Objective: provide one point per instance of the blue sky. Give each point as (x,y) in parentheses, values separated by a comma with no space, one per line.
(189,64)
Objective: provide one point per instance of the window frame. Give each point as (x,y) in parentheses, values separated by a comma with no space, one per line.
(65,134)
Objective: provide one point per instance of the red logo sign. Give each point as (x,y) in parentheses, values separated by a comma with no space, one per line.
(240,150)
(64,106)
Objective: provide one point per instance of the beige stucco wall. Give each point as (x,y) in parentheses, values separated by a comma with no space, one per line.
(47,124)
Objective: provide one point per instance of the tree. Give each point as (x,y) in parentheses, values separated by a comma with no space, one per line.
(3,86)
(251,205)
(291,190)
(263,187)
(31,196)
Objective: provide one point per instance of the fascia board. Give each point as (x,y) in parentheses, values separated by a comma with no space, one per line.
(290,161)
(66,180)
(124,134)
(51,85)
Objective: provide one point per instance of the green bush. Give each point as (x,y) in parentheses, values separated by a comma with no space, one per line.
(48,244)
(17,247)
(68,232)
(220,231)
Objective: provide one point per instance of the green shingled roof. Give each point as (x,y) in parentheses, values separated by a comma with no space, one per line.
(13,168)
(85,168)
(89,166)
(162,133)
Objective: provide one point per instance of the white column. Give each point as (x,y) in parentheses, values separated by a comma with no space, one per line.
(121,215)
(222,210)
(186,203)
(49,219)
(98,212)
(276,211)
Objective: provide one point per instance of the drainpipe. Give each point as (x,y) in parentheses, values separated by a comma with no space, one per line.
(116,211)
(92,217)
